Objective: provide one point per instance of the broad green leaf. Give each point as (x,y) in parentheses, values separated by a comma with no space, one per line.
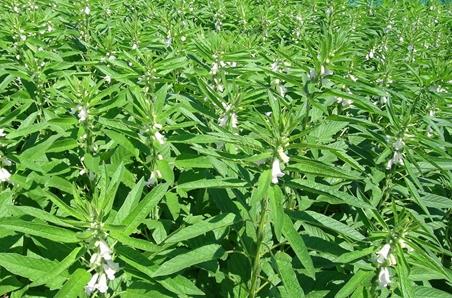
(202,227)
(288,275)
(76,284)
(299,247)
(144,207)
(190,258)
(328,191)
(42,230)
(359,279)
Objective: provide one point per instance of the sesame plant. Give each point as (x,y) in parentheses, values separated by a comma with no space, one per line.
(268,148)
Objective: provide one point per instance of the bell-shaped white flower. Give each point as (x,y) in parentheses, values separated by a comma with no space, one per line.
(384,277)
(159,137)
(383,253)
(4,175)
(223,120)
(87,10)
(110,268)
(104,249)
(398,145)
(91,286)
(397,158)
(2,133)
(389,164)
(276,171)
(392,261)
(102,283)
(234,120)
(95,259)
(214,69)
(153,178)
(82,113)
(403,244)
(282,155)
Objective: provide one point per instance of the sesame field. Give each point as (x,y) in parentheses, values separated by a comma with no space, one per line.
(225,148)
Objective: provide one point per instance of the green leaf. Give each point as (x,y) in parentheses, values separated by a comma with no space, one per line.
(46,231)
(75,286)
(32,268)
(330,223)
(307,166)
(288,275)
(328,191)
(212,183)
(298,246)
(142,210)
(358,279)
(130,202)
(59,268)
(202,227)
(193,257)
(259,193)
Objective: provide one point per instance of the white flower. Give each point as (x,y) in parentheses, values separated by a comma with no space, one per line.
(398,145)
(223,120)
(6,162)
(370,55)
(324,71)
(87,10)
(397,158)
(107,79)
(353,78)
(4,175)
(82,114)
(91,286)
(284,158)
(384,277)
(110,268)
(214,68)
(389,164)
(95,259)
(234,120)
(344,102)
(282,90)
(159,137)
(168,41)
(104,249)
(276,171)
(134,46)
(275,66)
(383,253)
(392,261)
(312,74)
(2,133)
(153,178)
(102,283)
(403,244)
(183,38)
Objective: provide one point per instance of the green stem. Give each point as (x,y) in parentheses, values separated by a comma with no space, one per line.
(256,262)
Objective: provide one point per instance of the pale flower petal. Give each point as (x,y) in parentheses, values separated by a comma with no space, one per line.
(102,283)
(159,137)
(4,175)
(276,171)
(91,286)
(384,277)
(383,253)
(110,268)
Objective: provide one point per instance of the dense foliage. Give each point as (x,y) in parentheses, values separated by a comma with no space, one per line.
(225,148)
